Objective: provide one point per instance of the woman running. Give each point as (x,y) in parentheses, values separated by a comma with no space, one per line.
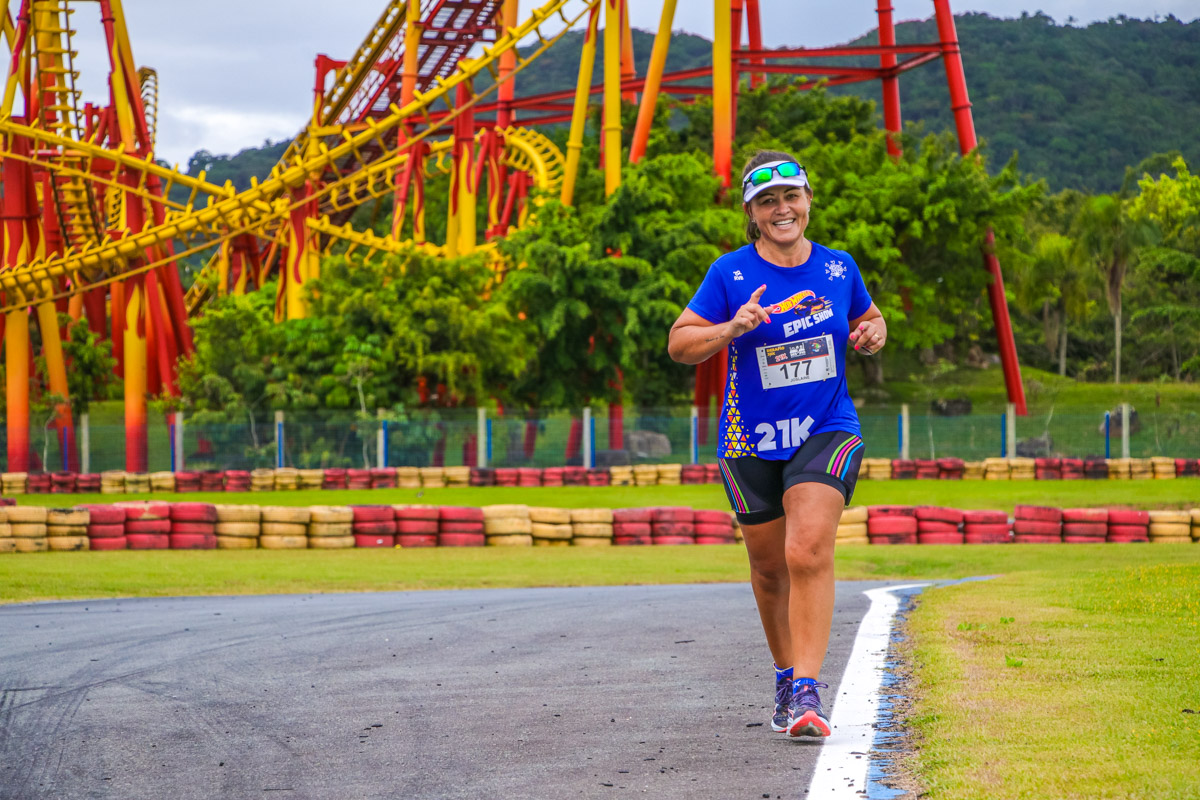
(788,442)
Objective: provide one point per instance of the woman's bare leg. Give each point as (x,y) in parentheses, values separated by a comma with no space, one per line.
(771,583)
(812,514)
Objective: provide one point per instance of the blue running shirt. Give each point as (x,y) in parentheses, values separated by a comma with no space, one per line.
(787,378)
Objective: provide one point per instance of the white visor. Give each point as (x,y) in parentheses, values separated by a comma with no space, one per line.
(749,190)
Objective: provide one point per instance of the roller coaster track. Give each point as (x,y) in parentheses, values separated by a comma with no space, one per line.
(228,212)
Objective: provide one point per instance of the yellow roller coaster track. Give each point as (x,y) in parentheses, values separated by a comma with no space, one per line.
(228,212)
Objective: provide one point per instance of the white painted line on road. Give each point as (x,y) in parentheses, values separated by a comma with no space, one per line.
(841,769)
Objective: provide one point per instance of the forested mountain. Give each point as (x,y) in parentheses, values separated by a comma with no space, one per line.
(1078,104)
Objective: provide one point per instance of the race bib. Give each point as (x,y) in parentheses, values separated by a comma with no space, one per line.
(794,363)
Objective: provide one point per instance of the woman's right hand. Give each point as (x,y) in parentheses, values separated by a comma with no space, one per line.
(749,316)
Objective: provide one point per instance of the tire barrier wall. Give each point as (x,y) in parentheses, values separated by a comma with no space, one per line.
(158,525)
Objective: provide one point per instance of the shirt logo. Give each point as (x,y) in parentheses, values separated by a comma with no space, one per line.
(835,269)
(737,274)
(809,309)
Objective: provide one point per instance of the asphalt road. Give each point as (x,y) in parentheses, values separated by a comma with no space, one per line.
(663,691)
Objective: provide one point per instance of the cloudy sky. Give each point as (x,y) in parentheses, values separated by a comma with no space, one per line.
(233,73)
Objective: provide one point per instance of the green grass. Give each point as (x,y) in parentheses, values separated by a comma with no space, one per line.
(1076,680)
(1178,493)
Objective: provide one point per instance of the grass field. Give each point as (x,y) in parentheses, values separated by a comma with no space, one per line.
(1178,493)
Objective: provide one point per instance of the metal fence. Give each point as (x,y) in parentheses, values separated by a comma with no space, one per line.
(596,437)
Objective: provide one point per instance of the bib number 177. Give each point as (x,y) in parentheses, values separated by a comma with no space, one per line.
(792,432)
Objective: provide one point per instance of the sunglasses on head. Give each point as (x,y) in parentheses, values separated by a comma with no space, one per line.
(788,169)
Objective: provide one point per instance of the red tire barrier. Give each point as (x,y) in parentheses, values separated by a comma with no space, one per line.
(1128,533)
(1033,527)
(1128,516)
(105,515)
(187,481)
(193,541)
(201,528)
(1032,538)
(1128,538)
(985,516)
(212,481)
(713,518)
(631,541)
(715,540)
(890,511)
(148,541)
(892,538)
(148,526)
(417,540)
(1077,539)
(669,514)
(106,531)
(673,529)
(373,513)
(890,526)
(1096,529)
(108,543)
(460,514)
(934,527)
(706,529)
(364,540)
(940,538)
(391,527)
(194,512)
(1099,515)
(987,537)
(599,477)
(632,529)
(461,540)
(632,515)
(409,527)
(151,509)
(988,529)
(1038,513)
(938,514)
(87,483)
(674,540)
(418,512)
(458,526)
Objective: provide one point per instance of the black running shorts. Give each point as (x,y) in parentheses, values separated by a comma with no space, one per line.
(755,486)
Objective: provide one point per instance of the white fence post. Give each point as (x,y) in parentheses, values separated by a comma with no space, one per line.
(587,436)
(1010,436)
(905,430)
(1124,430)
(179,441)
(85,444)
(481,435)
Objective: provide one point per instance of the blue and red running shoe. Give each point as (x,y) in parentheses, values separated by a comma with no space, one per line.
(783,699)
(805,715)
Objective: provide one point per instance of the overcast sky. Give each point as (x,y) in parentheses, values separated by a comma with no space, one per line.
(233,73)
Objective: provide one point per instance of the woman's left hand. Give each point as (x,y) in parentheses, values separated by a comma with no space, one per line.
(870,336)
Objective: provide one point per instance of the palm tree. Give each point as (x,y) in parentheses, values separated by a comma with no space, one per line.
(1110,239)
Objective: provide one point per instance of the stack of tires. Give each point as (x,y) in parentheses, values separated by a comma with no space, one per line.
(712,472)
(1048,469)
(287,479)
(529,476)
(147,525)
(358,479)
(1141,469)
(1164,468)
(1037,524)
(1187,467)
(14,482)
(374,526)
(1195,513)
(66,529)
(460,526)
(284,528)
(1072,469)
(106,527)
(951,469)
(137,483)
(237,480)
(262,480)
(673,525)
(903,469)
(876,469)
(891,525)
(1095,469)
(333,478)
(591,527)
(238,527)
(184,481)
(973,470)
(631,526)
(620,476)
(212,480)
(311,479)
(26,528)
(62,483)
(575,476)
(1118,469)
(693,475)
(193,526)
(458,477)
(7,543)
(938,525)
(553,476)
(336,527)
(927,469)
(414,522)
(986,526)
(506,476)
(550,527)
(645,475)
(996,469)
(599,476)
(1128,525)
(383,478)
(112,481)
(715,527)
(1085,525)
(1022,469)
(670,474)
(408,477)
(507,525)
(1171,526)
(87,483)
(482,476)
(852,527)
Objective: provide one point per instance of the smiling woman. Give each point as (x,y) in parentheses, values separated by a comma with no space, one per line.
(789,437)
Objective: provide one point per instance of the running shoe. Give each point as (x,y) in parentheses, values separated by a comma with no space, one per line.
(783,699)
(805,715)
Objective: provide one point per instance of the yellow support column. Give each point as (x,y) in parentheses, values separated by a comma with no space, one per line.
(612,95)
(135,376)
(583,87)
(16,377)
(658,61)
(723,91)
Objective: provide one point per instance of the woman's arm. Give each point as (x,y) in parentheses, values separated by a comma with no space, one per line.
(694,339)
(869,332)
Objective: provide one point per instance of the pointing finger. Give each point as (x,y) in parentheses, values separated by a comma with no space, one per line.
(758,293)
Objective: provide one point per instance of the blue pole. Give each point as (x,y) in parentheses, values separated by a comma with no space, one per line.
(899,435)
(279,443)
(591,434)
(1003,434)
(489,441)
(386,445)
(1108,434)
(695,440)
(171,430)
